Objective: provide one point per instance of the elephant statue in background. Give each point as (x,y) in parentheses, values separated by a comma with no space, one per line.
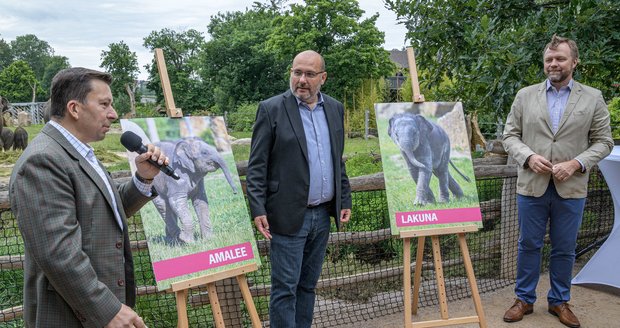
(20,138)
(191,159)
(425,146)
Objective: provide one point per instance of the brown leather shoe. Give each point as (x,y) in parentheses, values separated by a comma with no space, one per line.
(518,310)
(567,317)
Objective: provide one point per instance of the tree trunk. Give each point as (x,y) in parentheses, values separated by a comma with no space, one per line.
(132,99)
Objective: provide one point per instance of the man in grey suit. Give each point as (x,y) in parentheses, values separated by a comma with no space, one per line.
(78,269)
(556,131)
(296,180)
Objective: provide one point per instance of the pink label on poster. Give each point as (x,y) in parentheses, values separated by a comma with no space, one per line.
(187,264)
(442,216)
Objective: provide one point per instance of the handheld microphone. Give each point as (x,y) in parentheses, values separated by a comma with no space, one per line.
(133,142)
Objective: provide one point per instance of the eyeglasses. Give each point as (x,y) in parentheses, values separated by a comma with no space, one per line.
(309,75)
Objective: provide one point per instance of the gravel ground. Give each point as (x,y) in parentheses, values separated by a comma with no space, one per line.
(596,306)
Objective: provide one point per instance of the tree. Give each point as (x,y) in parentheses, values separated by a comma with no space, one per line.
(181,51)
(6,56)
(482,51)
(352,48)
(54,65)
(236,64)
(18,83)
(122,63)
(33,51)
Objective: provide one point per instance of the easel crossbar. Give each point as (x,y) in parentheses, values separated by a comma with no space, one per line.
(446,322)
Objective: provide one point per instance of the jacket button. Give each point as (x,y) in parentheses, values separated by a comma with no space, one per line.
(119,244)
(121,282)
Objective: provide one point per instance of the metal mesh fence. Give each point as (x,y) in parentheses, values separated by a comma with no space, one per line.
(362,273)
(35,110)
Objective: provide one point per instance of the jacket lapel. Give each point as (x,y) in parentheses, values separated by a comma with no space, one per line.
(292,110)
(542,104)
(82,162)
(331,115)
(573,98)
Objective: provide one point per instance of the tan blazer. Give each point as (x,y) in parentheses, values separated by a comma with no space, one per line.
(583,133)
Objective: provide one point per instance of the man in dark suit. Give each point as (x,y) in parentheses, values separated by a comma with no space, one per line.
(78,269)
(296,180)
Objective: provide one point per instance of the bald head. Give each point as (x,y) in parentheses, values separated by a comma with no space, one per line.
(310,55)
(307,76)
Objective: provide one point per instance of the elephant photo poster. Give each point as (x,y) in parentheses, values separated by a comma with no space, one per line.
(198,224)
(427,166)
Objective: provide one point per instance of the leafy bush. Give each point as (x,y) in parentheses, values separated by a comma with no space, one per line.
(363,164)
(243,119)
(614,111)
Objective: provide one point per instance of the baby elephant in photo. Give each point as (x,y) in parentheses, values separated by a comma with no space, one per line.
(425,146)
(191,159)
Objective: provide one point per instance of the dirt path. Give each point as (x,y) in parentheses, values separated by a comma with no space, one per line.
(595,306)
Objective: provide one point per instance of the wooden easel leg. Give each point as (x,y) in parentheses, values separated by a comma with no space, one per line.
(249,302)
(441,286)
(181,298)
(469,269)
(215,305)
(418,274)
(407,280)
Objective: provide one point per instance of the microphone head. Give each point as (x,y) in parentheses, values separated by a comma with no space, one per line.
(131,141)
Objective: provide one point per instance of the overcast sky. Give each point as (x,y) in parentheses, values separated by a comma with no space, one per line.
(80,30)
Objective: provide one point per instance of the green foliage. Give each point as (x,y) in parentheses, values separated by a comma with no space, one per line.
(236,64)
(18,83)
(54,65)
(122,63)
(6,56)
(351,46)
(363,164)
(148,110)
(614,112)
(242,120)
(370,92)
(181,51)
(33,51)
(488,49)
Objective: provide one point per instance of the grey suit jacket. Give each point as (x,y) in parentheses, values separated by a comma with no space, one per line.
(583,133)
(78,267)
(278,176)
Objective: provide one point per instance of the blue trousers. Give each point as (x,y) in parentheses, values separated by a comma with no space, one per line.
(296,263)
(564,217)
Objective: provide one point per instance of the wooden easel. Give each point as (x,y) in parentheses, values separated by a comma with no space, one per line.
(411,302)
(181,288)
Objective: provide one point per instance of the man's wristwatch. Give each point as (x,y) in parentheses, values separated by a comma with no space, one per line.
(143,180)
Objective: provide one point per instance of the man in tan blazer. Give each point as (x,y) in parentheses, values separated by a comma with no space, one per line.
(556,131)
(78,269)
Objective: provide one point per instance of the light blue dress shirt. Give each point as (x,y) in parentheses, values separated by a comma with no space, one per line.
(319,152)
(556,102)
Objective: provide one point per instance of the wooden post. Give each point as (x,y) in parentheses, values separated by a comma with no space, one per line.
(413,72)
(171,109)
(411,301)
(181,289)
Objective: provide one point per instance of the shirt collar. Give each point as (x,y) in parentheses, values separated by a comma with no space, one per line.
(82,148)
(570,84)
(318,102)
